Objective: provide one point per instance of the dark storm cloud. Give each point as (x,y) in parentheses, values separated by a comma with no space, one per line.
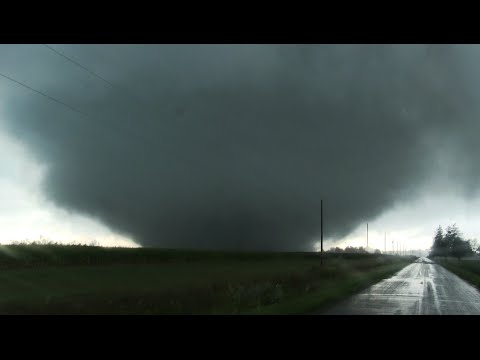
(235,146)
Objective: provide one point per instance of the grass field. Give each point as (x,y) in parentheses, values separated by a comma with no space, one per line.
(468,270)
(53,279)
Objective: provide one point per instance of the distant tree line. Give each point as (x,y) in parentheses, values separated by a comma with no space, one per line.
(351,250)
(451,243)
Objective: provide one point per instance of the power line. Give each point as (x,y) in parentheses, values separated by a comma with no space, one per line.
(141,102)
(79,65)
(98,123)
(62,103)
(43,94)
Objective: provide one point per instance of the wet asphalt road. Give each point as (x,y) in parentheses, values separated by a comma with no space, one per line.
(421,288)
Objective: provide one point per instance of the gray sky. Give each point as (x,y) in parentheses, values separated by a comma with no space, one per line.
(27,214)
(233,146)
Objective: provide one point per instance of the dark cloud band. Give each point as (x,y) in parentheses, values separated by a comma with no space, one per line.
(235,146)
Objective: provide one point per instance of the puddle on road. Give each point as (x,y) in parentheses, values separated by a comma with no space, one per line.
(424,260)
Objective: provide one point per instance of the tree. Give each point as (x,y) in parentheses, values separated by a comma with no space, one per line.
(474,245)
(355,250)
(335,250)
(451,243)
(460,248)
(439,247)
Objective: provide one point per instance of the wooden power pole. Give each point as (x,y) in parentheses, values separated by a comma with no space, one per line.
(367,236)
(321,231)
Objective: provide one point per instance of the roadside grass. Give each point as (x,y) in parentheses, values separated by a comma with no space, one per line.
(332,292)
(58,279)
(468,270)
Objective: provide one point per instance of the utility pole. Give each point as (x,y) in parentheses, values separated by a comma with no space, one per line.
(393,248)
(321,232)
(367,235)
(385,243)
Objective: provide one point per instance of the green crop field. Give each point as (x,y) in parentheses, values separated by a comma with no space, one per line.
(55,279)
